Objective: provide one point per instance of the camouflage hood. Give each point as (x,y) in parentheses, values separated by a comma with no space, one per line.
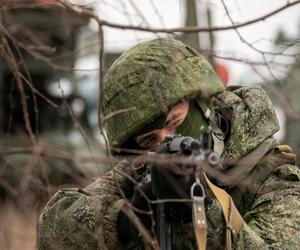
(252,120)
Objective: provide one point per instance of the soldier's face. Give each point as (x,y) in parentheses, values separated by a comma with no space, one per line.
(174,119)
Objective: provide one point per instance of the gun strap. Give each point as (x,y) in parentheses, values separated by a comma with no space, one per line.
(199,217)
(201,237)
(234,220)
(217,135)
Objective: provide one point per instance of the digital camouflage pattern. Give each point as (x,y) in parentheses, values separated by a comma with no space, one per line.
(250,123)
(162,72)
(266,190)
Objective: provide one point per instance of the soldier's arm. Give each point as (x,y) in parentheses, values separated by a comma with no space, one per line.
(85,218)
(274,220)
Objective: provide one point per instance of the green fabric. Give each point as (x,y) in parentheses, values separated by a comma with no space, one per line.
(252,120)
(85,219)
(150,78)
(193,122)
(274,219)
(88,219)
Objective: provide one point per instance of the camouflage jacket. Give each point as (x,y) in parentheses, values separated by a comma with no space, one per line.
(267,192)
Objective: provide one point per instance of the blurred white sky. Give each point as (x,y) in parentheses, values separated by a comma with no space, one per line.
(171,13)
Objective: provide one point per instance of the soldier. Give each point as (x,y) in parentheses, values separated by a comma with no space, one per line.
(164,87)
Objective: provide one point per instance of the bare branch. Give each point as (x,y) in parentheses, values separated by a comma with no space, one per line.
(10,59)
(87,13)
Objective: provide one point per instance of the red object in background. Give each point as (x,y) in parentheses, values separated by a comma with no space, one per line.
(222,73)
(17,4)
(47,2)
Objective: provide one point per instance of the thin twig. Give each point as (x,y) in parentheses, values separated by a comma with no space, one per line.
(10,59)
(87,13)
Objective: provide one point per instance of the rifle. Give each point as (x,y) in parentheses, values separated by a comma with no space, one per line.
(190,148)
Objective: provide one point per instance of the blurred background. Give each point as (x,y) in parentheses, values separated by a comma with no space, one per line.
(50,69)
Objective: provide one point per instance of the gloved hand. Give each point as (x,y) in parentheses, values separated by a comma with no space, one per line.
(168,185)
(139,200)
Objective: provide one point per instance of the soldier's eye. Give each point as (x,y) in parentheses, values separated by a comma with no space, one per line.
(174,121)
(147,141)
